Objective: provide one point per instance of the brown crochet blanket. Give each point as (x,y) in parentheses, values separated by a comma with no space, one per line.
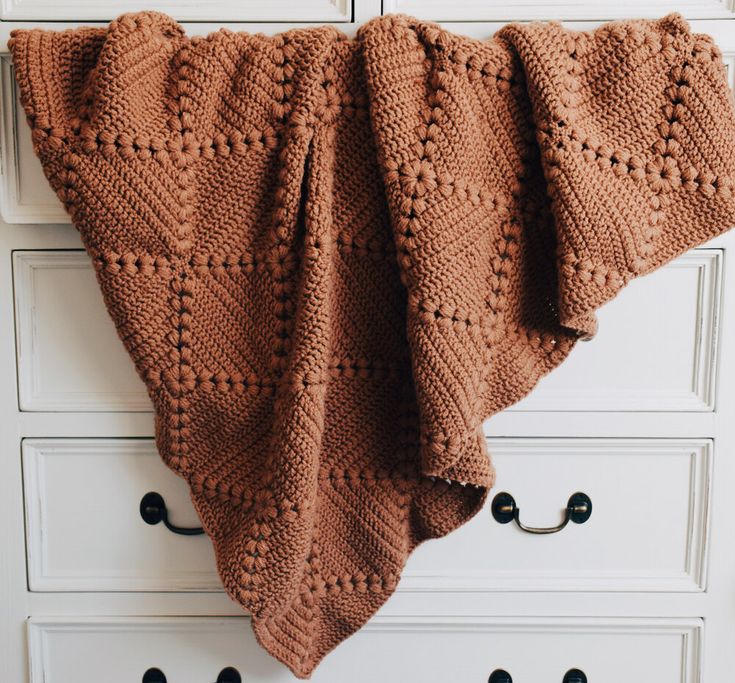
(331,259)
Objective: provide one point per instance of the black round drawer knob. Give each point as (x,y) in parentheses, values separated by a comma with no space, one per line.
(505,509)
(153,510)
(231,675)
(154,676)
(500,676)
(575,676)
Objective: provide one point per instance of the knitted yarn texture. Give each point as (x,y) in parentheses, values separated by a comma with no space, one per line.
(331,259)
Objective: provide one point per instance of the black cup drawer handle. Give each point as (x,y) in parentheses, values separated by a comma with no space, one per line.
(153,510)
(571,676)
(579,509)
(227,675)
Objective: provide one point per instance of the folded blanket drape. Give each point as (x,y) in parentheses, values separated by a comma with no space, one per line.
(331,259)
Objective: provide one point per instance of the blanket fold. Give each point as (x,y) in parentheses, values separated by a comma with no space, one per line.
(331,259)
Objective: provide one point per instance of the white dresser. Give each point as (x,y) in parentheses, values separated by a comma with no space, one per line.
(641,420)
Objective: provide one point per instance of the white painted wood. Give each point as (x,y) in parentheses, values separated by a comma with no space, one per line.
(13,587)
(431,650)
(364,10)
(182,10)
(640,537)
(646,356)
(528,10)
(69,354)
(719,655)
(84,531)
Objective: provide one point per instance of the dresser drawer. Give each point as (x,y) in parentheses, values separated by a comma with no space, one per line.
(84,528)
(497,10)
(189,650)
(70,358)
(85,531)
(182,10)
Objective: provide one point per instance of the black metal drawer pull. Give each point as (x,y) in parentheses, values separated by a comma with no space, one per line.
(579,509)
(571,676)
(227,675)
(153,510)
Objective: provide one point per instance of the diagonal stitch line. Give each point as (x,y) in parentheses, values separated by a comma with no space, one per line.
(237,314)
(143,208)
(350,522)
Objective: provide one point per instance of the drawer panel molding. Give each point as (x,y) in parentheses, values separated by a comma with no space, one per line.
(84,531)
(646,356)
(69,355)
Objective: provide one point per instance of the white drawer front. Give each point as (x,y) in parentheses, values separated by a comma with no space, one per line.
(647,355)
(71,359)
(189,650)
(183,10)
(84,529)
(497,10)
(69,354)
(641,536)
